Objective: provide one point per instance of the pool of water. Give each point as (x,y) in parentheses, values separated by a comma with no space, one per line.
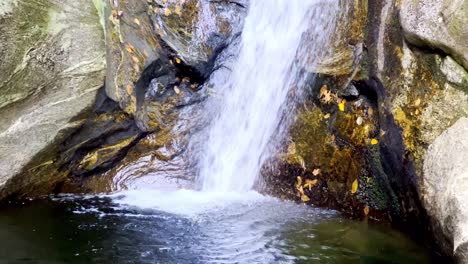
(192,227)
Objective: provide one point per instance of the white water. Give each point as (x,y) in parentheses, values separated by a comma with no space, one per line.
(252,99)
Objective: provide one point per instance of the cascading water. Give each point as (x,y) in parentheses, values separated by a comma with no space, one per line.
(279,38)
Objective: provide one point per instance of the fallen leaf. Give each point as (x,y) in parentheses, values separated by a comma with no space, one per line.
(341,105)
(299,182)
(417,102)
(305,198)
(359,121)
(326,95)
(316,172)
(176,90)
(136,21)
(310,183)
(130,48)
(366,210)
(178,10)
(326,116)
(129,89)
(167,11)
(135,59)
(374,141)
(354,186)
(177,60)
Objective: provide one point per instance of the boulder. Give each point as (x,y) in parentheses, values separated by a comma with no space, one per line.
(439,25)
(445,189)
(53,63)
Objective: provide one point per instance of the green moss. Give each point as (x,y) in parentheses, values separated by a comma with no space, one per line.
(317,146)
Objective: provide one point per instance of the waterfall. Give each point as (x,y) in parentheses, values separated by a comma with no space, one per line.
(279,39)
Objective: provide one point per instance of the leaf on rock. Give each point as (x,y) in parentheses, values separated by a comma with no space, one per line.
(354,186)
(299,182)
(341,105)
(359,121)
(366,210)
(326,95)
(316,172)
(310,183)
(178,10)
(305,198)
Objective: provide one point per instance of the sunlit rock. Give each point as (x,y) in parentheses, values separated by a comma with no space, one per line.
(52,64)
(445,188)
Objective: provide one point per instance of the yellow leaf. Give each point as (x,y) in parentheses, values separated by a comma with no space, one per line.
(177,60)
(417,102)
(167,11)
(366,210)
(135,59)
(341,105)
(176,90)
(316,172)
(310,183)
(354,186)
(178,10)
(130,48)
(305,198)
(374,141)
(326,116)
(299,182)
(136,21)
(129,89)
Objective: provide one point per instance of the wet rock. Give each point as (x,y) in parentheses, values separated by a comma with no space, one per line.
(53,63)
(360,142)
(197,30)
(154,46)
(342,59)
(445,183)
(132,46)
(161,159)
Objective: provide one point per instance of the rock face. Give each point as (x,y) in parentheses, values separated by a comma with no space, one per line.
(50,72)
(361,142)
(159,54)
(446,188)
(437,25)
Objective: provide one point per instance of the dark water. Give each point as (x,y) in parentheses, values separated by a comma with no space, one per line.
(101,230)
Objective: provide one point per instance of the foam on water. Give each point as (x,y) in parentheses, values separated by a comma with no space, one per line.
(186,202)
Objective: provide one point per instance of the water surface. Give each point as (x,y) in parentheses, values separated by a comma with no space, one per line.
(136,227)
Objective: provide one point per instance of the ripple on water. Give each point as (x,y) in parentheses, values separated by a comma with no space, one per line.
(191,227)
